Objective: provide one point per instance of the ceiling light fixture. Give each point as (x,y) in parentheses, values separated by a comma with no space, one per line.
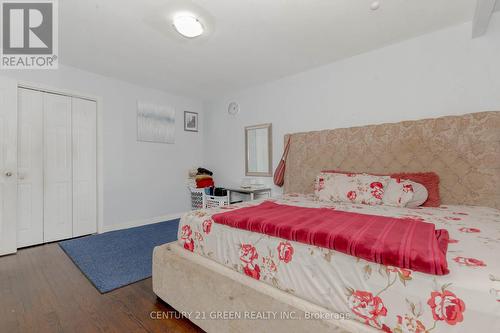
(188,25)
(375,5)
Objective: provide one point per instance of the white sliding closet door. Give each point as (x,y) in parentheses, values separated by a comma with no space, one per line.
(84,167)
(58,191)
(8,165)
(30,168)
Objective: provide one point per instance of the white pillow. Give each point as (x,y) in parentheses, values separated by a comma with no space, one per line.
(420,195)
(404,193)
(355,188)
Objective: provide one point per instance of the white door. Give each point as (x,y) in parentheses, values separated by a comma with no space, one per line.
(84,167)
(30,168)
(58,191)
(8,165)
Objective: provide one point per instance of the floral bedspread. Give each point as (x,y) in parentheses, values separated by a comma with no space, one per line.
(388,298)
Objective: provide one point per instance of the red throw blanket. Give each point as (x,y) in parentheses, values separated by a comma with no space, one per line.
(400,242)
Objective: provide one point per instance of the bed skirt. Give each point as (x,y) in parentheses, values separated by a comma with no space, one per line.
(218,299)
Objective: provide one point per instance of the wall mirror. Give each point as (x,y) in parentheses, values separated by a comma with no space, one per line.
(259,150)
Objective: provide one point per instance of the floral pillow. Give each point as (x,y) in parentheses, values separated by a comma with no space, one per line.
(355,188)
(428,186)
(404,193)
(420,196)
(398,193)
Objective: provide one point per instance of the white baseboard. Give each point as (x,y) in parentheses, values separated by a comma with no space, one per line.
(139,223)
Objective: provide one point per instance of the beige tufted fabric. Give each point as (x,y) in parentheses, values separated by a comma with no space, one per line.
(463,150)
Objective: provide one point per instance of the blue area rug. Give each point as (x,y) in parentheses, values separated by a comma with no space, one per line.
(117,258)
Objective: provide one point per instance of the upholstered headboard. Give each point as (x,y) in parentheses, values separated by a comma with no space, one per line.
(463,150)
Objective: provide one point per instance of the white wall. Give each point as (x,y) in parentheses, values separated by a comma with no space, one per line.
(441,73)
(141,180)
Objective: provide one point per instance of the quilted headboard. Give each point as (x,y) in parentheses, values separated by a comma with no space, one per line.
(463,150)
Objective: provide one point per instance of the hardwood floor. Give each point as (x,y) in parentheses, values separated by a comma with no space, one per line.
(41,290)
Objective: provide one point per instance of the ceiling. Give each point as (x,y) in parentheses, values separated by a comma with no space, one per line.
(249,41)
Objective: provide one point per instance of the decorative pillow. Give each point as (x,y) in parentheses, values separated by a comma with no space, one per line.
(420,195)
(430,180)
(404,193)
(355,188)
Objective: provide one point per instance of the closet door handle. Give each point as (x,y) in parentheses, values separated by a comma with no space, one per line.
(8,174)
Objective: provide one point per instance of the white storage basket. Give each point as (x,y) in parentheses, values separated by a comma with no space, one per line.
(197,198)
(200,200)
(212,201)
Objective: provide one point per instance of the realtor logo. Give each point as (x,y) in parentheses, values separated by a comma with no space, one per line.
(29,34)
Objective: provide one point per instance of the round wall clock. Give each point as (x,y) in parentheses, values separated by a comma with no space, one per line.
(233,108)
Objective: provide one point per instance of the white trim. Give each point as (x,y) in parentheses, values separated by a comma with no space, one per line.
(8,213)
(99,102)
(54,90)
(141,222)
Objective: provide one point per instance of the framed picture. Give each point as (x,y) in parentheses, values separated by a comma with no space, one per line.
(155,123)
(190,121)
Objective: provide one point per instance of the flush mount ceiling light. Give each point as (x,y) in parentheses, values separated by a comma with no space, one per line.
(375,5)
(188,25)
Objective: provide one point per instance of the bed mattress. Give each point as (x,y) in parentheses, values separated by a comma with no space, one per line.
(384,297)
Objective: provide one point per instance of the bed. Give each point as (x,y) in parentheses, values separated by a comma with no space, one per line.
(255,282)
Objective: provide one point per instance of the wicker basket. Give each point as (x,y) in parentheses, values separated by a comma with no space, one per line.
(200,200)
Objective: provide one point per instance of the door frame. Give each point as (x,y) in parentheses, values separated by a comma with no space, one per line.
(8,223)
(99,165)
